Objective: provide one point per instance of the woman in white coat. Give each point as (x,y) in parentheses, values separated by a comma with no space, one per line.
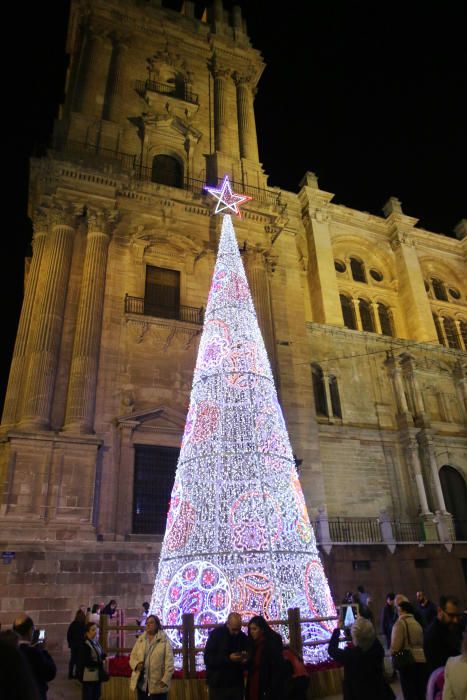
(455,675)
(152,662)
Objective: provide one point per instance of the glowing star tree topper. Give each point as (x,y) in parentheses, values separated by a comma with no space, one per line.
(226,199)
(238,534)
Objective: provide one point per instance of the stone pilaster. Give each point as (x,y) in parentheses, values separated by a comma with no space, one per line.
(90,99)
(46,326)
(116,84)
(257,273)
(221,109)
(84,364)
(414,460)
(409,370)
(427,448)
(460,379)
(246,118)
(19,360)
(322,281)
(412,293)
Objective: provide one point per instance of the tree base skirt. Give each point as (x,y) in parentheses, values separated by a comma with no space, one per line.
(322,684)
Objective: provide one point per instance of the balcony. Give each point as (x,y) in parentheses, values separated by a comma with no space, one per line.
(179,91)
(94,156)
(186,314)
(439,528)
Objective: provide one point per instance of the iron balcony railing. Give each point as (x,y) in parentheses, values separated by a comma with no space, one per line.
(96,156)
(180,92)
(374,531)
(187,314)
(354,530)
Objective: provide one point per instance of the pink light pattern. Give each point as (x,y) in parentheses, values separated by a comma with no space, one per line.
(238,533)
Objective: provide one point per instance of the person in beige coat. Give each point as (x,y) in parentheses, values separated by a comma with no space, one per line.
(407,633)
(152,662)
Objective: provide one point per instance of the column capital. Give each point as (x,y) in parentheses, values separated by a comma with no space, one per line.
(220,72)
(62,214)
(40,222)
(245,78)
(100,221)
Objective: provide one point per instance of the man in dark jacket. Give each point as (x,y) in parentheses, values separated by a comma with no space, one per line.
(443,637)
(426,609)
(388,617)
(38,658)
(225,654)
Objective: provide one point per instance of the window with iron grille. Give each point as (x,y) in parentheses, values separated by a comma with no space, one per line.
(162,292)
(361,565)
(335,399)
(152,486)
(319,391)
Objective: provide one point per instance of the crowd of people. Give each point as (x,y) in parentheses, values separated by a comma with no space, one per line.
(427,642)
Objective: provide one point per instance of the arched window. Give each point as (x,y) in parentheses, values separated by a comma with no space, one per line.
(358,270)
(385,319)
(463,325)
(365,315)
(335,399)
(166,170)
(455,496)
(439,331)
(451,333)
(439,290)
(348,312)
(319,391)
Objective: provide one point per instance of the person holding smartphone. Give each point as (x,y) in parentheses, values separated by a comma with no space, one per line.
(34,650)
(225,656)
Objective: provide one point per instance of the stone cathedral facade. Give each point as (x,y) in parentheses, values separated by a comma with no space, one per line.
(364,318)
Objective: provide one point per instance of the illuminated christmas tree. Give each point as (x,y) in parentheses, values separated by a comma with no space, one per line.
(238,534)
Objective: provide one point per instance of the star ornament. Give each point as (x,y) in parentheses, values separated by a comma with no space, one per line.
(226,199)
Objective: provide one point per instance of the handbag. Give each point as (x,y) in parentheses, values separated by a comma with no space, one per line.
(103,675)
(404,658)
(90,675)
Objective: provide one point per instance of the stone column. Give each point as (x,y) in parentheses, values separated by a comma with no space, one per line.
(220,109)
(443,331)
(246,118)
(115,86)
(90,99)
(85,358)
(395,374)
(358,318)
(257,273)
(19,360)
(427,447)
(376,321)
(46,326)
(415,463)
(459,334)
(327,392)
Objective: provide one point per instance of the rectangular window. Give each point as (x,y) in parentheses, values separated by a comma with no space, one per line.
(162,292)
(422,563)
(153,481)
(361,565)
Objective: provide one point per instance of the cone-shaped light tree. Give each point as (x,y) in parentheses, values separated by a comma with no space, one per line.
(238,534)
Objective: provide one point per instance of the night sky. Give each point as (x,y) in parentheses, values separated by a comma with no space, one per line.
(369,97)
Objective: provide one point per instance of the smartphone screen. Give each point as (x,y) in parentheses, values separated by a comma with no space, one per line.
(41,637)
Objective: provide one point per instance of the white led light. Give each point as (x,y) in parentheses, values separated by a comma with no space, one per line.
(238,534)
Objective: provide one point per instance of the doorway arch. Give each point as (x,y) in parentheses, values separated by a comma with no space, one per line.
(455,496)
